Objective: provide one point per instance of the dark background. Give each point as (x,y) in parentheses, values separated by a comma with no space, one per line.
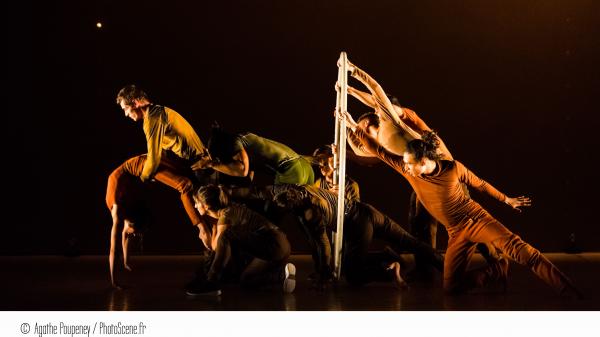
(511,86)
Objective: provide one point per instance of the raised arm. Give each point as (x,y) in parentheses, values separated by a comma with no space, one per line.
(364,97)
(378,95)
(386,110)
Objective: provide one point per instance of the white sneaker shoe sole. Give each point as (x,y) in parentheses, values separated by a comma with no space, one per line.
(289,283)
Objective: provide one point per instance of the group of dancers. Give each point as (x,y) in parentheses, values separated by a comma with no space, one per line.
(238,220)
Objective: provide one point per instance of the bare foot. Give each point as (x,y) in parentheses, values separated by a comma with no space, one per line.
(398,280)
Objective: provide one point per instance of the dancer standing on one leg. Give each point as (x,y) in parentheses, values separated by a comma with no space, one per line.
(241,228)
(437,183)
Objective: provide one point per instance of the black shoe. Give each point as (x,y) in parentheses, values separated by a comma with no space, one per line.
(203,289)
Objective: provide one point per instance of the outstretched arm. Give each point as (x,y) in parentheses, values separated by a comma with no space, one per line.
(378,95)
(364,97)
(238,167)
(469,178)
(386,109)
(517,202)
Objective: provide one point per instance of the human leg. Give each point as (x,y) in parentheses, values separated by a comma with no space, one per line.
(488,229)
(456,261)
(271,250)
(387,229)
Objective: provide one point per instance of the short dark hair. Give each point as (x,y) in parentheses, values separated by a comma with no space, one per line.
(322,154)
(371,117)
(426,147)
(213,196)
(291,196)
(130,93)
(221,144)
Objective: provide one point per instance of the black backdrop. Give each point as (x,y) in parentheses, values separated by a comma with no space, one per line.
(511,86)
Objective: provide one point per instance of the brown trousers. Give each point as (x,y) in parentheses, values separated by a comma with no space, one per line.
(486,229)
(168,173)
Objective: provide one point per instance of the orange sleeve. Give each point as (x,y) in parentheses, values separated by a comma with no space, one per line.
(477,183)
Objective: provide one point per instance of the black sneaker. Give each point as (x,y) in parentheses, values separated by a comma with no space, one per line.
(203,289)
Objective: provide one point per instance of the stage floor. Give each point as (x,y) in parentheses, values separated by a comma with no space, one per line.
(156,283)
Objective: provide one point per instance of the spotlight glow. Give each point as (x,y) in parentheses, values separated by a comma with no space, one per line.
(99,24)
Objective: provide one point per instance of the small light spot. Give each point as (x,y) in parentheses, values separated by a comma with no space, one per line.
(98,24)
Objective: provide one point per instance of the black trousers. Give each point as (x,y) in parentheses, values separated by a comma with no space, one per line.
(363,223)
(269,249)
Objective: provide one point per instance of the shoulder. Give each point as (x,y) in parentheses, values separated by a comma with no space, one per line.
(227,214)
(157,110)
(446,165)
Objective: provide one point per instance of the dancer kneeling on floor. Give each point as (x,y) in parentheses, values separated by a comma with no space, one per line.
(240,228)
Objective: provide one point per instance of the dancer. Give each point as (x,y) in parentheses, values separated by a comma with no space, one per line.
(238,227)
(437,183)
(323,157)
(393,127)
(252,151)
(165,130)
(123,196)
(317,209)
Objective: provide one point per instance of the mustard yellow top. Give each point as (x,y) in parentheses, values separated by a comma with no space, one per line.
(165,129)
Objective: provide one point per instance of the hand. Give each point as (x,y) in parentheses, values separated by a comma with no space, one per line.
(350,123)
(517,202)
(350,66)
(203,163)
(338,87)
